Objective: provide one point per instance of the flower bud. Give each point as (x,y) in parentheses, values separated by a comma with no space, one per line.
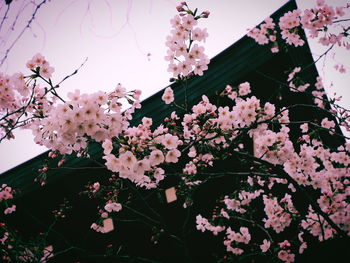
(205,14)
(179,8)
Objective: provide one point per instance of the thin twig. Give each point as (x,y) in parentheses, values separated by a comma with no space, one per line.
(22,32)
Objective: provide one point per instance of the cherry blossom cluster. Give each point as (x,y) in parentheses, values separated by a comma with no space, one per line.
(203,225)
(13,249)
(69,126)
(243,89)
(141,155)
(219,127)
(25,98)
(185,56)
(240,205)
(139,151)
(265,34)
(6,193)
(285,254)
(294,84)
(109,208)
(321,19)
(276,148)
(14,92)
(113,207)
(289,24)
(279,213)
(41,66)
(319,93)
(330,177)
(15,96)
(243,236)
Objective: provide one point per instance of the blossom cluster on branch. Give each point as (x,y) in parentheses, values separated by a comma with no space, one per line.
(321,22)
(262,215)
(185,56)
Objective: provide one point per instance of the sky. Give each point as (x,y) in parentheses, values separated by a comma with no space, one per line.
(124,41)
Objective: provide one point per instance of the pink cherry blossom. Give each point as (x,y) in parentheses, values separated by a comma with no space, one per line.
(10,210)
(168,96)
(265,245)
(113,207)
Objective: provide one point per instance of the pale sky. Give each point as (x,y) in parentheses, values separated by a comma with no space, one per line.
(117,36)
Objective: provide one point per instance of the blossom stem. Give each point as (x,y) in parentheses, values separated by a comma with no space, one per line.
(141,214)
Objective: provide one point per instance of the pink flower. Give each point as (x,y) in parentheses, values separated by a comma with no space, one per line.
(185,67)
(104,215)
(158,174)
(285,256)
(46,71)
(200,67)
(170,141)
(202,223)
(174,68)
(107,147)
(96,187)
(141,166)
(127,159)
(205,14)
(10,210)
(244,89)
(235,250)
(275,49)
(192,153)
(302,247)
(269,109)
(180,49)
(245,235)
(112,162)
(197,51)
(304,128)
(176,21)
(168,96)
(180,8)
(172,156)
(339,11)
(188,22)
(292,74)
(265,245)
(327,123)
(156,157)
(36,61)
(272,38)
(282,255)
(199,34)
(320,3)
(147,122)
(190,168)
(97,228)
(113,207)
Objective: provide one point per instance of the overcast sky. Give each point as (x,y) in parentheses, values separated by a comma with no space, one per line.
(124,42)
